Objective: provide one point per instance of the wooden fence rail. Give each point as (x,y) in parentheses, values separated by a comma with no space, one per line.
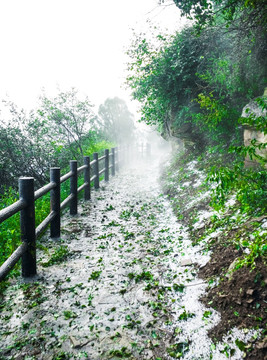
(26,206)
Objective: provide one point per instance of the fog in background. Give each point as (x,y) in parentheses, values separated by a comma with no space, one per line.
(72,43)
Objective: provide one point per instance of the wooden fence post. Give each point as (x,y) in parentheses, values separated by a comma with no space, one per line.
(106,164)
(117,158)
(73,187)
(148,150)
(27,226)
(121,150)
(113,161)
(55,202)
(86,177)
(96,170)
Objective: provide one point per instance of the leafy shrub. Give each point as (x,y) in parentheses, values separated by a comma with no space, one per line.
(248,186)
(257,248)
(10,228)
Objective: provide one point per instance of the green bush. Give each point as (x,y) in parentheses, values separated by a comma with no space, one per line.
(248,186)
(10,228)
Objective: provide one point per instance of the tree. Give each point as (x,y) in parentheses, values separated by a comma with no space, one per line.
(247,13)
(63,128)
(23,150)
(195,86)
(69,118)
(165,80)
(117,121)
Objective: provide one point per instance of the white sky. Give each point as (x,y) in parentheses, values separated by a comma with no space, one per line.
(71,43)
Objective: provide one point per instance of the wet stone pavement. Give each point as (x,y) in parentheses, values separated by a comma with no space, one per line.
(127,287)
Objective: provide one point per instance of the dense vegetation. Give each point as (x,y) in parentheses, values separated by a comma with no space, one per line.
(193,85)
(202,88)
(248,13)
(61,129)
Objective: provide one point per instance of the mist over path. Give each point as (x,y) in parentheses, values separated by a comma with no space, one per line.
(127,288)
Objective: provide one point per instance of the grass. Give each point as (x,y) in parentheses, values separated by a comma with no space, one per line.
(10,228)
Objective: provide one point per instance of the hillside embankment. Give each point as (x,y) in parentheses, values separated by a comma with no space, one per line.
(236,272)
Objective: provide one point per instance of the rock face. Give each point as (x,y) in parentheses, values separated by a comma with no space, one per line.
(180,137)
(250,133)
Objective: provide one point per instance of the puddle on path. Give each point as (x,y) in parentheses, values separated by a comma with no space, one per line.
(129,289)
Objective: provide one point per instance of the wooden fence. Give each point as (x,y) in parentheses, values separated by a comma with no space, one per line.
(26,205)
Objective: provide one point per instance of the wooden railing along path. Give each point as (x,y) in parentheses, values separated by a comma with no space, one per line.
(26,205)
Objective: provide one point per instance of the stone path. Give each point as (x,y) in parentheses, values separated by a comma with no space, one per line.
(127,287)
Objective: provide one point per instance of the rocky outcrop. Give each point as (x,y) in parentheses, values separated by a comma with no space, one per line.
(180,135)
(250,133)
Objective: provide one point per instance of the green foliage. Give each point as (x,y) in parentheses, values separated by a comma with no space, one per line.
(251,151)
(248,186)
(95,275)
(185,315)
(62,355)
(69,119)
(143,276)
(10,237)
(68,314)
(241,345)
(195,86)
(206,314)
(207,13)
(10,228)
(178,350)
(215,117)
(253,120)
(63,128)
(60,254)
(178,287)
(163,77)
(20,154)
(98,146)
(122,353)
(257,247)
